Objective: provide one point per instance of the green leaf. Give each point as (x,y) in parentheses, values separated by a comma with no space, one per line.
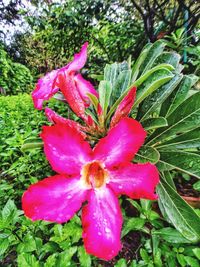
(121,263)
(31,146)
(171,235)
(64,258)
(147,154)
(132,224)
(183,161)
(111,72)
(181,260)
(178,96)
(27,260)
(139,61)
(169,179)
(186,140)
(50,261)
(4,244)
(154,100)
(186,117)
(146,75)
(28,244)
(154,51)
(144,255)
(156,80)
(94,100)
(191,261)
(178,212)
(9,209)
(154,123)
(84,258)
(196,186)
(121,84)
(105,90)
(196,252)
(171,58)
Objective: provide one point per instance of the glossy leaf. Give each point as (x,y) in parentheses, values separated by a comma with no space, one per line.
(178,96)
(139,61)
(147,154)
(121,84)
(154,100)
(178,212)
(186,117)
(171,235)
(156,80)
(154,123)
(105,90)
(144,77)
(132,224)
(155,50)
(186,140)
(30,146)
(171,58)
(183,161)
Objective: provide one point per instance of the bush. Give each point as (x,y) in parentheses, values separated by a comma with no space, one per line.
(14,77)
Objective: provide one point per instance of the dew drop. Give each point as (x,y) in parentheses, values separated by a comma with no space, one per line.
(107,230)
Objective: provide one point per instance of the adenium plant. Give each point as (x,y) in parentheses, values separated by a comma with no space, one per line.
(126,141)
(92,159)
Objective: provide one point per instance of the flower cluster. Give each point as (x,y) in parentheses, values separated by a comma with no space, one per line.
(94,175)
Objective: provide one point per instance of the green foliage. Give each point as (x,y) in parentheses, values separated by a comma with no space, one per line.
(14,77)
(169,110)
(57,30)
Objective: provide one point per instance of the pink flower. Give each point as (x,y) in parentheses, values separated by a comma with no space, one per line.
(98,176)
(73,86)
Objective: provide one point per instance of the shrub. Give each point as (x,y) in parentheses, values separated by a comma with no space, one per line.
(14,77)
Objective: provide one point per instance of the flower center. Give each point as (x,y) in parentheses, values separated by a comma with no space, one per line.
(94,174)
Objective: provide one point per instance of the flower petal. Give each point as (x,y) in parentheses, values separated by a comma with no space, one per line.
(135,180)
(44,89)
(102,222)
(53,117)
(79,59)
(84,87)
(65,148)
(48,85)
(124,107)
(121,143)
(68,87)
(54,199)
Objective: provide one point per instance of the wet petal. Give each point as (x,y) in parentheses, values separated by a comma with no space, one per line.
(44,89)
(121,143)
(68,87)
(135,180)
(84,87)
(79,59)
(65,148)
(54,199)
(124,107)
(53,117)
(102,222)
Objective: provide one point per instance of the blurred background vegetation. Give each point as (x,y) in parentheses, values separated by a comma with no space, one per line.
(43,35)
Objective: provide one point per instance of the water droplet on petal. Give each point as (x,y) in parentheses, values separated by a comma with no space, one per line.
(107,230)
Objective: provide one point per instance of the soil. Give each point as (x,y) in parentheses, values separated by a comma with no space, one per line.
(185,188)
(130,250)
